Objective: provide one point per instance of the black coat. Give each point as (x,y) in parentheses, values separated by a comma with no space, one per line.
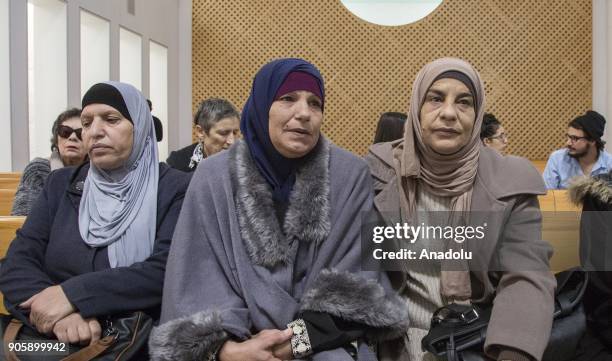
(48,250)
(179,159)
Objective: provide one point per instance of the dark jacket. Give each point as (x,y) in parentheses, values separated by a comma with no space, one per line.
(179,159)
(595,194)
(49,250)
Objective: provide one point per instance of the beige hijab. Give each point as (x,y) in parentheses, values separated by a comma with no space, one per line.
(417,165)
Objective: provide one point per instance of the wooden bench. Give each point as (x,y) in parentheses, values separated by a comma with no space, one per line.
(561,228)
(9,183)
(540,165)
(7,196)
(8,228)
(13,175)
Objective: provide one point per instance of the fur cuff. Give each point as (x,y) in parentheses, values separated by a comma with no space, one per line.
(189,338)
(268,243)
(354,298)
(583,186)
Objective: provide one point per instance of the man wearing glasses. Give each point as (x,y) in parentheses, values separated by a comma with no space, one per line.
(584,152)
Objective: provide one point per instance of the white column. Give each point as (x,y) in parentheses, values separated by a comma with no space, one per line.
(602,63)
(184,120)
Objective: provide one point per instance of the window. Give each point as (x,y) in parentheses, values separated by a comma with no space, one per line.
(47,73)
(130,58)
(95,50)
(158,90)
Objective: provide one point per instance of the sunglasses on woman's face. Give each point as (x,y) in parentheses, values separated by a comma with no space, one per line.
(65,131)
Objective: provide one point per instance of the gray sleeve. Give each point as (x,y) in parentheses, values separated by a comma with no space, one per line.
(30,186)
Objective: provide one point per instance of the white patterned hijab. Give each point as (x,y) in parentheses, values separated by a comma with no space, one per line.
(118,208)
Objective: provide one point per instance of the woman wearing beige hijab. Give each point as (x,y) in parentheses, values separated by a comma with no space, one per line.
(441,165)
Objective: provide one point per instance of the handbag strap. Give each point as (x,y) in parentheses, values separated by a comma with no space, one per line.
(451,349)
(454,315)
(85,354)
(90,352)
(10,334)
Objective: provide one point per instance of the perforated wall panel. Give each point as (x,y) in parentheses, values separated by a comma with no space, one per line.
(534,56)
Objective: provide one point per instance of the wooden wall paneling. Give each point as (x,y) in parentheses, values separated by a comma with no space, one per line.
(534,56)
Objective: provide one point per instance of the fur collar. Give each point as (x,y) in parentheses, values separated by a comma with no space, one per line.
(599,187)
(308,214)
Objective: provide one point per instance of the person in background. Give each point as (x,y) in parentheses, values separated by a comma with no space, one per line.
(390,127)
(493,134)
(96,242)
(159,129)
(584,152)
(217,126)
(67,149)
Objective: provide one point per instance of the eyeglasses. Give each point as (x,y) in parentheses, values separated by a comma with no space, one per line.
(65,132)
(503,137)
(573,138)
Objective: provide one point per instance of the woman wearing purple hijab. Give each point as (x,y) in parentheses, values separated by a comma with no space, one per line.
(265,263)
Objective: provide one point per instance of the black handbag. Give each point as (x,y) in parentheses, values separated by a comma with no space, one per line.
(122,339)
(458,332)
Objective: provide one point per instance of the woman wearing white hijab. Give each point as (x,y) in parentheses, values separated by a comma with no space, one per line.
(96,242)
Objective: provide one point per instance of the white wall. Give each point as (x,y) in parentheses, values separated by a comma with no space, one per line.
(158,90)
(95,50)
(47,71)
(130,58)
(602,64)
(166,22)
(5,89)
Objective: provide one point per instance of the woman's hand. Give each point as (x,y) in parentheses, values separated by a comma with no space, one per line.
(75,329)
(259,348)
(47,308)
(283,351)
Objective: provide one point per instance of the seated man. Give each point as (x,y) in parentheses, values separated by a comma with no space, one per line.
(584,153)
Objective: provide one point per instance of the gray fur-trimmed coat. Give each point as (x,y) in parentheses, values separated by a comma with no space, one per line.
(231,266)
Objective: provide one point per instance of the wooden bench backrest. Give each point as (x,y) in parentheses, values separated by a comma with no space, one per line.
(8,227)
(561,228)
(540,165)
(9,183)
(7,196)
(13,175)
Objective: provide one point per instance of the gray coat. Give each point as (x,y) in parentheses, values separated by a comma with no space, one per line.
(232,267)
(523,293)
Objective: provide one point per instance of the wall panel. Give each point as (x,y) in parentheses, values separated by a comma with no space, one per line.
(535,58)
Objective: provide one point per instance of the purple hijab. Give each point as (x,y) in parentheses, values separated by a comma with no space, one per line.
(276,169)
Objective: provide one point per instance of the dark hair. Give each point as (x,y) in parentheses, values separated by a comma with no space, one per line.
(575,123)
(390,127)
(70,113)
(213,110)
(159,128)
(489,127)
